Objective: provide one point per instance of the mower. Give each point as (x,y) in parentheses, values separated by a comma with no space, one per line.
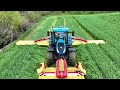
(60,52)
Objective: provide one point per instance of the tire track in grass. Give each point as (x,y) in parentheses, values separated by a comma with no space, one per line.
(53,24)
(72,25)
(88,23)
(64,22)
(84,30)
(60,21)
(55,20)
(31,33)
(42,32)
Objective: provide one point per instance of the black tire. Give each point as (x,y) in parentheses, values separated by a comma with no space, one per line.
(49,59)
(72,59)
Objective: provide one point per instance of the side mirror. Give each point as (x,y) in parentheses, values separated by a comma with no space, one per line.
(48,33)
(72,33)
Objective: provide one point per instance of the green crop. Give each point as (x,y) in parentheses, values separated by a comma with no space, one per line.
(100,61)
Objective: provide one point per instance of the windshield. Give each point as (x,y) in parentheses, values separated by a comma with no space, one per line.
(60,34)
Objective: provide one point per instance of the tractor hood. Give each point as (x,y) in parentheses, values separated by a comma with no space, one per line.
(60,46)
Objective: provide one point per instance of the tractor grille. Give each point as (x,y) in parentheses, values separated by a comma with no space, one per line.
(61,47)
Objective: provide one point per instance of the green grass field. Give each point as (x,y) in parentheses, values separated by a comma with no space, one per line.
(100,61)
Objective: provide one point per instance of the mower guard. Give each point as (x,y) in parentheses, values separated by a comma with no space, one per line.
(42,42)
(45,41)
(55,72)
(77,41)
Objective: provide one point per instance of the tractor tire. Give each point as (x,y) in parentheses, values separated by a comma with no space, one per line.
(72,59)
(49,59)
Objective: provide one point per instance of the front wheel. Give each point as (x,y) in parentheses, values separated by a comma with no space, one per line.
(49,59)
(72,59)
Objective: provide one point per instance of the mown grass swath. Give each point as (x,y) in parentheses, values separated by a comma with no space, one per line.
(74,26)
(60,22)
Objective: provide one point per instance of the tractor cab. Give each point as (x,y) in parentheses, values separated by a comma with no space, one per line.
(60,33)
(60,43)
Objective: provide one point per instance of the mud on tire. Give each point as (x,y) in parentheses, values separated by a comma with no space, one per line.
(72,59)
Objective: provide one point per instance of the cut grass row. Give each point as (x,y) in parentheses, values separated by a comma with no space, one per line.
(74,26)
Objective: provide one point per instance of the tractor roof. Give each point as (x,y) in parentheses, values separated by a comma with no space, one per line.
(60,29)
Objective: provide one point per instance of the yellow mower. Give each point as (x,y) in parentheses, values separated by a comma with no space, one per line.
(60,52)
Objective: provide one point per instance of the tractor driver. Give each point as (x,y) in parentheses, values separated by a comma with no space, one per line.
(60,35)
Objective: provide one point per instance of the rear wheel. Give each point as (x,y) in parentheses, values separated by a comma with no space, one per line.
(72,59)
(49,59)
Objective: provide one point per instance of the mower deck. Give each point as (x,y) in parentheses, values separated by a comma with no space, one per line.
(61,71)
(50,73)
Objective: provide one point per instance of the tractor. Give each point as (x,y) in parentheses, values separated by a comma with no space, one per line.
(60,52)
(60,46)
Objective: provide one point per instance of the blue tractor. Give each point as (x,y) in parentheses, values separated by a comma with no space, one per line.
(60,46)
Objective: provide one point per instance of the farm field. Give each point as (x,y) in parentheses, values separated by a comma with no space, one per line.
(100,61)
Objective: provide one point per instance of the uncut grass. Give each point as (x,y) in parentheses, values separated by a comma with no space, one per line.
(74,26)
(104,63)
(92,70)
(108,49)
(23,61)
(82,54)
(112,35)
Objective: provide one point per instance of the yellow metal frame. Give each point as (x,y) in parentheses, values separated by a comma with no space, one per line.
(53,69)
(25,42)
(31,42)
(68,77)
(77,42)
